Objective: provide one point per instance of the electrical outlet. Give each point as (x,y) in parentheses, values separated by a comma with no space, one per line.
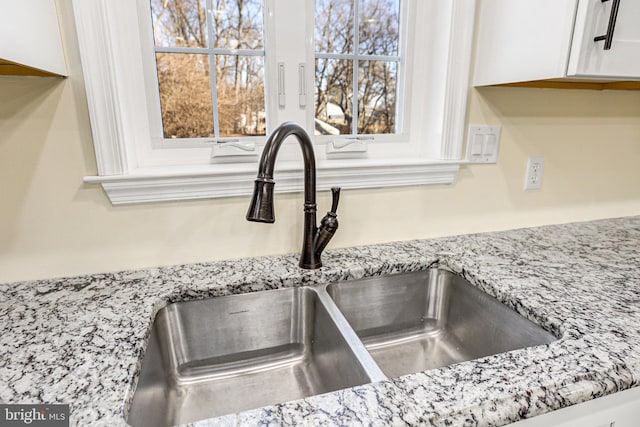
(533,177)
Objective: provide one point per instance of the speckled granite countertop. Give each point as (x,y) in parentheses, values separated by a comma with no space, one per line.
(79,340)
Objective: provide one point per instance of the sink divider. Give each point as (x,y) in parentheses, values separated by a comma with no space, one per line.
(359,350)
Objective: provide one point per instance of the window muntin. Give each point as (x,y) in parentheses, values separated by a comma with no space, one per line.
(210,67)
(357,45)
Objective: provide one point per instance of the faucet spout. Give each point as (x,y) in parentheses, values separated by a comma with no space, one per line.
(261,207)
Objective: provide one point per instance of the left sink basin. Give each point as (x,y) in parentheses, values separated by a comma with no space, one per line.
(223,355)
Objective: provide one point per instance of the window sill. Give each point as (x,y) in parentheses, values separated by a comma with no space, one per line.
(212,181)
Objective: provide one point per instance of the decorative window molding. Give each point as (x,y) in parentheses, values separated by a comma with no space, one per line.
(113,72)
(168,185)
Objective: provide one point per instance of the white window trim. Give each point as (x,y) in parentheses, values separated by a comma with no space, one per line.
(115,122)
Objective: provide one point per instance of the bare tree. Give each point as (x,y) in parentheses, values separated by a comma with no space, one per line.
(179,23)
(185,79)
(185,95)
(376,87)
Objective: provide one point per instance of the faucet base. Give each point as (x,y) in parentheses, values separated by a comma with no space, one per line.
(310,266)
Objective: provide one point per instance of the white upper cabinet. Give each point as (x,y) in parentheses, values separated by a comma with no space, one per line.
(30,42)
(597,19)
(526,41)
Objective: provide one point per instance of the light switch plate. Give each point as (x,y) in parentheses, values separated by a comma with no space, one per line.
(483,143)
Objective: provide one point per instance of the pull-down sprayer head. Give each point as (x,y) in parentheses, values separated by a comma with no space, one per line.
(261,207)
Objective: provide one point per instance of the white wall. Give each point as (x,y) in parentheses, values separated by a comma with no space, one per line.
(51,224)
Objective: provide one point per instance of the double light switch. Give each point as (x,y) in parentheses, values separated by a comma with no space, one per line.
(482,144)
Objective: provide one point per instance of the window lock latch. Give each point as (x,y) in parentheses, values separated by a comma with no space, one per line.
(232,149)
(353,147)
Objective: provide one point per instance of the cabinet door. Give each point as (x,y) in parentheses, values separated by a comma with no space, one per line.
(589,58)
(620,409)
(523,40)
(30,38)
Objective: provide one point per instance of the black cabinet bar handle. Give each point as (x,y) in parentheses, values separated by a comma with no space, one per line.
(608,38)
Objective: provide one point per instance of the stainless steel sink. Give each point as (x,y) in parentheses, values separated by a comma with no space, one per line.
(417,321)
(223,355)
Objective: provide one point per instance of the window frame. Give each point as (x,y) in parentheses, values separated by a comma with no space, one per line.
(120,122)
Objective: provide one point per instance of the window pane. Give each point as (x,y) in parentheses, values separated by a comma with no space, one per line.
(333,96)
(241,107)
(334,26)
(378,23)
(179,23)
(377,97)
(191,107)
(237,24)
(185,95)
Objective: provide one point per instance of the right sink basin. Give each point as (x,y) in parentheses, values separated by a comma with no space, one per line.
(412,322)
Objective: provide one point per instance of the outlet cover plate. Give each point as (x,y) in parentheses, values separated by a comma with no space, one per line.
(533,175)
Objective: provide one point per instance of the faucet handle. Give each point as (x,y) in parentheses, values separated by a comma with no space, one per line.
(335,196)
(328,225)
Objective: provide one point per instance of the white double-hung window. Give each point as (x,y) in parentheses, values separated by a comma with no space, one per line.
(183,93)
